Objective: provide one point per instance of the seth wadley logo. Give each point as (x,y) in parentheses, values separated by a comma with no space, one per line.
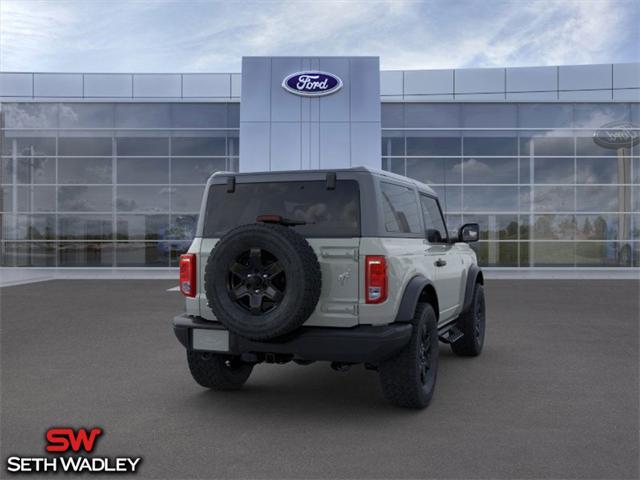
(312,83)
(67,441)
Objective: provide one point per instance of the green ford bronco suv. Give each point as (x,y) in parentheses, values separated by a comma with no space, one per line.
(348,266)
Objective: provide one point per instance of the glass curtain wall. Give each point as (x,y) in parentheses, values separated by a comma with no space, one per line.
(543,191)
(120,184)
(106,184)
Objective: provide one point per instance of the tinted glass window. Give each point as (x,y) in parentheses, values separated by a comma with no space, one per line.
(192,115)
(490,199)
(489,115)
(143,146)
(596,115)
(84,170)
(400,209)
(151,115)
(494,227)
(433,222)
(392,115)
(30,115)
(195,170)
(198,146)
(542,115)
(142,227)
(84,199)
(186,199)
(553,199)
(233,115)
(85,146)
(30,227)
(143,199)
(36,199)
(435,170)
(553,170)
(428,146)
(36,170)
(85,227)
(328,213)
(29,146)
(431,115)
(143,170)
(490,146)
(79,115)
(490,170)
(183,227)
(546,146)
(602,170)
(393,143)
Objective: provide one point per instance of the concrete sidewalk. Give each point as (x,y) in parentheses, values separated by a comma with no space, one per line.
(11,276)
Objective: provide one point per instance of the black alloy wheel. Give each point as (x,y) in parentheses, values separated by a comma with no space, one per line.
(257,281)
(479,320)
(424,356)
(262,281)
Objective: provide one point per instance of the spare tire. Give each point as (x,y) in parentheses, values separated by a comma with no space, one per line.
(262,280)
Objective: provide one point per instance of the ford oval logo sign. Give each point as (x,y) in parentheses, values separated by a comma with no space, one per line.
(312,83)
(617,135)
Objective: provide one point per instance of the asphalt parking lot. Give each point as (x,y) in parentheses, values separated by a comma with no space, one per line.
(554,395)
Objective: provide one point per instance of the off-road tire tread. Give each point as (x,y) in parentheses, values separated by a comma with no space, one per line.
(311,287)
(400,380)
(467,346)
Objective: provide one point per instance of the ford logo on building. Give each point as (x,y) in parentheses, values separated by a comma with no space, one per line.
(312,83)
(617,135)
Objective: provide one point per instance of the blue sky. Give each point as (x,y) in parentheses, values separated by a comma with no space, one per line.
(210,36)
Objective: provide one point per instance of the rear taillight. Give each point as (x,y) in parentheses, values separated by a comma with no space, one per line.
(375,279)
(188,274)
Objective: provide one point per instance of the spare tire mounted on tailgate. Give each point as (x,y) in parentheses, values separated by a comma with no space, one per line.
(262,280)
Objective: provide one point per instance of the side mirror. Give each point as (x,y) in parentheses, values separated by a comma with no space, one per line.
(469,232)
(433,235)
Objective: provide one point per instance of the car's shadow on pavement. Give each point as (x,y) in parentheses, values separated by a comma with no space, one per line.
(302,392)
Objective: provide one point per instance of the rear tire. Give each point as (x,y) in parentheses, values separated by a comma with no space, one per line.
(409,378)
(472,325)
(218,372)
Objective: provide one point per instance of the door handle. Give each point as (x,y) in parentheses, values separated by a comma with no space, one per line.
(440,263)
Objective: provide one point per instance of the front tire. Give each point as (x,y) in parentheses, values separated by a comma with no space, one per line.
(472,325)
(409,378)
(218,372)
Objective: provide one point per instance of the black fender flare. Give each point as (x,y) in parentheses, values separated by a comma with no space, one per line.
(472,279)
(410,298)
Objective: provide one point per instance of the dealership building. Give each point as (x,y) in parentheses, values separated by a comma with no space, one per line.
(108,170)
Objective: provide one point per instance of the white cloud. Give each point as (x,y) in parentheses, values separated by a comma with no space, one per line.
(119,35)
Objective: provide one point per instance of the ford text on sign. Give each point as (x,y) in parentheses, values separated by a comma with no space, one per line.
(312,83)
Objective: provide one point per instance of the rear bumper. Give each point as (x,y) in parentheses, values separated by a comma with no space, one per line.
(364,343)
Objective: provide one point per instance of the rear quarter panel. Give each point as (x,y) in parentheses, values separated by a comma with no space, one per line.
(405,259)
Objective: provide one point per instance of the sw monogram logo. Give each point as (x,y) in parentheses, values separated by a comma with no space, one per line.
(65,439)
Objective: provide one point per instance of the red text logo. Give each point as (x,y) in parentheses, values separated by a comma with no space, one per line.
(65,439)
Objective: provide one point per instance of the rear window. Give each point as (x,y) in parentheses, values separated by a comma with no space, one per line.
(328,213)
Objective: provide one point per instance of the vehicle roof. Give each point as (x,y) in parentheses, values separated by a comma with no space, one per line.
(365,170)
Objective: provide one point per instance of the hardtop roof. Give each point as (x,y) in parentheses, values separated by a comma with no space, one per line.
(366,170)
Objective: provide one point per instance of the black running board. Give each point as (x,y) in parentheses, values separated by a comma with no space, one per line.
(449,333)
